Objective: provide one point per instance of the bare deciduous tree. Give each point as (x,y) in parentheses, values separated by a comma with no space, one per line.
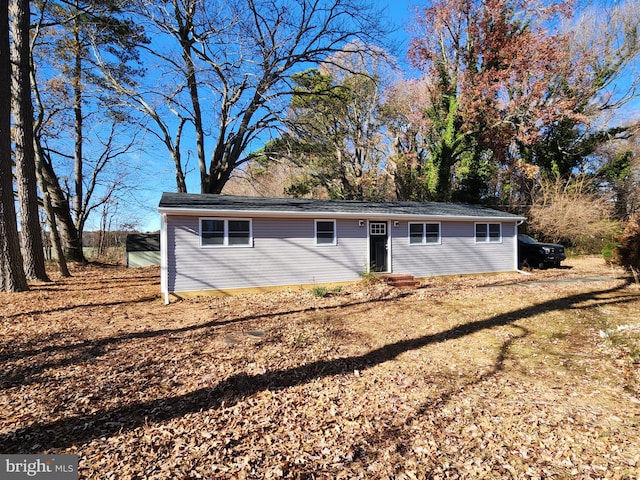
(410,161)
(224,69)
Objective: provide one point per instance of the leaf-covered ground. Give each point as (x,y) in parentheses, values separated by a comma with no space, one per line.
(499,376)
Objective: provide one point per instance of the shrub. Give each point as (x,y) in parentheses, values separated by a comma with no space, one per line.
(320,292)
(608,251)
(572,213)
(627,253)
(369,278)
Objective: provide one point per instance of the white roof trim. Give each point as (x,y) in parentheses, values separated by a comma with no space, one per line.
(327,214)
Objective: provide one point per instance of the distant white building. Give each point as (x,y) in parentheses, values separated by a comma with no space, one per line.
(143,249)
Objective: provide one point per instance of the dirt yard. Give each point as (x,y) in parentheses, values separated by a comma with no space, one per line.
(498,376)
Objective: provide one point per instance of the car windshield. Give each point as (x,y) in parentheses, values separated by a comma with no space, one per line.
(526,239)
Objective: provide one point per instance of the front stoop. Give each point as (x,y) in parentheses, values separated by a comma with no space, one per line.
(399,280)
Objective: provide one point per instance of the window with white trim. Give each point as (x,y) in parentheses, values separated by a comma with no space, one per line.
(488,232)
(326,232)
(378,228)
(424,233)
(225,232)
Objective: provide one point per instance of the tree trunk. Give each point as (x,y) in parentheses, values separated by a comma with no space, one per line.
(446,161)
(186,25)
(181,183)
(71,241)
(59,214)
(76,82)
(225,159)
(31,233)
(63,269)
(219,174)
(12,277)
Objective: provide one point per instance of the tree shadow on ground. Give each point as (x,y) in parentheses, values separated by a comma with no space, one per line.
(25,350)
(80,352)
(400,435)
(82,429)
(80,306)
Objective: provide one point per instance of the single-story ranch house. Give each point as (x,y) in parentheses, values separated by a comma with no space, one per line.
(226,244)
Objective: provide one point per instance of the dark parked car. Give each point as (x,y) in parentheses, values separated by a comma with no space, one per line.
(534,254)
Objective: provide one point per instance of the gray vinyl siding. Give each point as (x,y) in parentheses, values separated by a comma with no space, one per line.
(458,252)
(283,253)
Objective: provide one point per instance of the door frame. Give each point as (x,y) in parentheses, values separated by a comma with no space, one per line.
(387,246)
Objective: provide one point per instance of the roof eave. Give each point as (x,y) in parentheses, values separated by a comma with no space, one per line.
(331,214)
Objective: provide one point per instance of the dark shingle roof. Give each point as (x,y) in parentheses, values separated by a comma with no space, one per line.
(143,242)
(205,202)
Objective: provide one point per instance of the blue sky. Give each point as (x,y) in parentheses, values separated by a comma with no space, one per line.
(156,164)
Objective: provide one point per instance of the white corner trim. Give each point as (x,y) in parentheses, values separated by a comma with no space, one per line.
(164,259)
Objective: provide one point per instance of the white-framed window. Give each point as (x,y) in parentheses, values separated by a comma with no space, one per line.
(326,232)
(488,232)
(226,232)
(378,228)
(424,233)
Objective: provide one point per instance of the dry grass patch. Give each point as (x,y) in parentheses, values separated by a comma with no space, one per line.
(467,377)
